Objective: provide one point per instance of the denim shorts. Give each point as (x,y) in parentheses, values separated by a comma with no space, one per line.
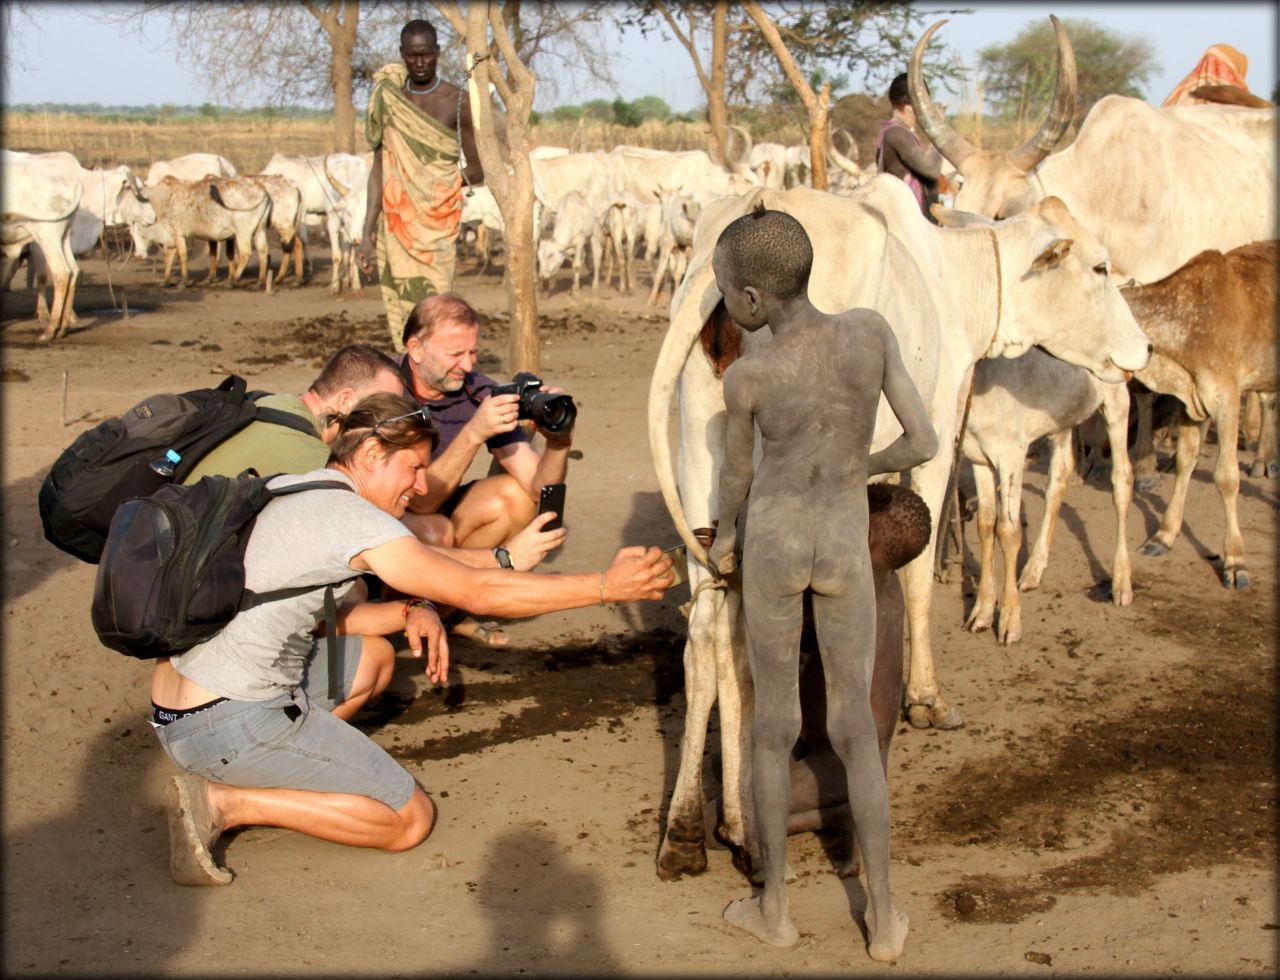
(268,744)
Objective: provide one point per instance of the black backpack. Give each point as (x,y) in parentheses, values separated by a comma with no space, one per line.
(111,462)
(172,572)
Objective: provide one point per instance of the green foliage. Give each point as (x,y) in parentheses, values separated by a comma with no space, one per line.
(1019,76)
(169,113)
(651,107)
(624,113)
(598,110)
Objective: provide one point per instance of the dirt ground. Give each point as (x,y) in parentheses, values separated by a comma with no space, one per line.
(1109,808)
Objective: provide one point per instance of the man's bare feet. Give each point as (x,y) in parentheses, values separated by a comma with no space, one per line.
(885,945)
(194,827)
(748,914)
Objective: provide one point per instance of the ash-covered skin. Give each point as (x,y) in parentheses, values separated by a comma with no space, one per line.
(813,393)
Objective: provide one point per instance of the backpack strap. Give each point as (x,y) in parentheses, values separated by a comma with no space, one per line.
(277,416)
(251,599)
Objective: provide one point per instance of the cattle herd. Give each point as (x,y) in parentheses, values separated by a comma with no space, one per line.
(1142,251)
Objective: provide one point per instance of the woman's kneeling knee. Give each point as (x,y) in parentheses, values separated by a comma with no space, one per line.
(419,818)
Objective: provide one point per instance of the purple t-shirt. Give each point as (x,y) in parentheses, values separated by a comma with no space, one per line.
(450,413)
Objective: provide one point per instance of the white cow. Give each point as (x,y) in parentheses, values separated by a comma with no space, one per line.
(1015,402)
(1136,176)
(37,206)
(111,198)
(621,224)
(193,166)
(596,176)
(575,226)
(1038,279)
(285,220)
(648,172)
(335,191)
(675,240)
(778,166)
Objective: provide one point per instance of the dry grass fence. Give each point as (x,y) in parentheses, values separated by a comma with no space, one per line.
(249,143)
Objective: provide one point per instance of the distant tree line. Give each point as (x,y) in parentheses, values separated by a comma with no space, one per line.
(167,111)
(619,112)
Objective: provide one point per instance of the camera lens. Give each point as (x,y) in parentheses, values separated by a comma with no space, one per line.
(555,413)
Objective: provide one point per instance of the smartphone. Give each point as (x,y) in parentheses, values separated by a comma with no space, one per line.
(552,499)
(679,556)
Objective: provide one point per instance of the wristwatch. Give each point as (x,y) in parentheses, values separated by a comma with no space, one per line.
(503,556)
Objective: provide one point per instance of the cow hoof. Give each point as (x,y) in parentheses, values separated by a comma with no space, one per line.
(677,858)
(1122,598)
(1146,483)
(1154,549)
(945,717)
(979,620)
(1267,472)
(1237,578)
(1010,636)
(918,715)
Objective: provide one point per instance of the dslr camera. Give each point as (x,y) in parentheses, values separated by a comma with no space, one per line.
(553,413)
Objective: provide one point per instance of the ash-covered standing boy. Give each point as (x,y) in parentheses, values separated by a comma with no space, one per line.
(812,393)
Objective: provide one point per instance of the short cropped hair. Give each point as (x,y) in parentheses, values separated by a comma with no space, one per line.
(436,309)
(354,366)
(901,520)
(769,250)
(418,26)
(369,417)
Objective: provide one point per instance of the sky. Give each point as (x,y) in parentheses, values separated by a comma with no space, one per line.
(112,66)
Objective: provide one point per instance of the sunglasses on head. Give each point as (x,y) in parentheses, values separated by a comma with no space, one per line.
(419,412)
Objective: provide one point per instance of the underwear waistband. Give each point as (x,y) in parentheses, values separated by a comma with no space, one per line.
(167,716)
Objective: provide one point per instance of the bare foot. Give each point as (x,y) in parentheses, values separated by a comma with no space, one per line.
(886,944)
(746,913)
(194,827)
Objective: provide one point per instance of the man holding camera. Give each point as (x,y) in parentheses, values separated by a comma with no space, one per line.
(441,339)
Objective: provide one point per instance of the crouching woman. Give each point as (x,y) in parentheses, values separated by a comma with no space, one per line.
(247,720)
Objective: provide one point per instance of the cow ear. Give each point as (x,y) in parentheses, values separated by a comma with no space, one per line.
(1052,255)
(950,218)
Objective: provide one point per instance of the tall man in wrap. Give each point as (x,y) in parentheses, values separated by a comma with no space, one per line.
(419,127)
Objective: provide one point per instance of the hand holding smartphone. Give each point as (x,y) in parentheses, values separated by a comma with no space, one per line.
(551,498)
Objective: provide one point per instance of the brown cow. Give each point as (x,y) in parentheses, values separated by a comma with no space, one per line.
(1212,325)
(215,209)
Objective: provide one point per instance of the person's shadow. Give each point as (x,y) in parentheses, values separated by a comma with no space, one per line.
(88,882)
(543,913)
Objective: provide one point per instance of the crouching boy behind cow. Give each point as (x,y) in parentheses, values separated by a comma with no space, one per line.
(813,394)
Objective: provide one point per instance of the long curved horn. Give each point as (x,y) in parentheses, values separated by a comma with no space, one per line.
(338,185)
(950,144)
(693,302)
(739,163)
(849,166)
(1028,156)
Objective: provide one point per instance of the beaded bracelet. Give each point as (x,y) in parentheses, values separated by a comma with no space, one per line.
(602,588)
(420,603)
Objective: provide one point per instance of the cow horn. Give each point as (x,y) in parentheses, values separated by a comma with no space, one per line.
(950,144)
(337,184)
(737,163)
(1028,156)
(847,164)
(578,134)
(694,301)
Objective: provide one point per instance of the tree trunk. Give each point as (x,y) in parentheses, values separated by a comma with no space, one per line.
(818,138)
(815,106)
(339,20)
(509,176)
(717,110)
(344,113)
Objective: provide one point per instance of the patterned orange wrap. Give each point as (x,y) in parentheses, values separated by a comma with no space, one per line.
(1221,65)
(421,199)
